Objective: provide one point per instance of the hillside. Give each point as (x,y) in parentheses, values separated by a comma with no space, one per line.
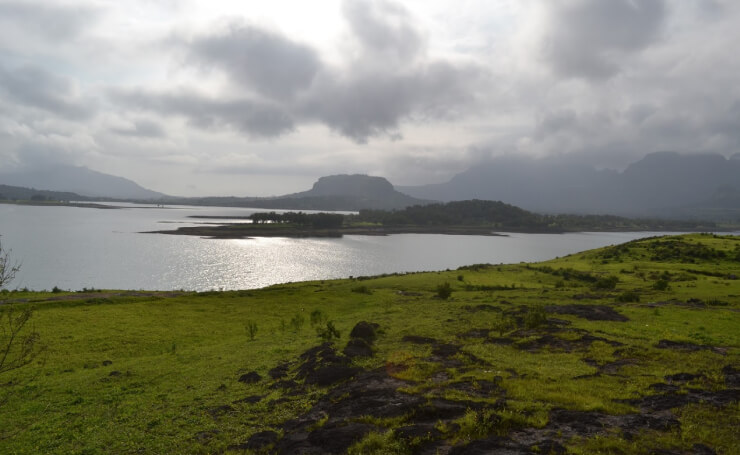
(627,349)
(17,193)
(80,180)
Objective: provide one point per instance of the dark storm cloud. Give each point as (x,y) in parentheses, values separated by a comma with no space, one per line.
(388,78)
(361,105)
(264,61)
(36,87)
(251,117)
(50,21)
(590,38)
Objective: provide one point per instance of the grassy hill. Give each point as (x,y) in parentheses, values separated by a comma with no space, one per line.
(633,348)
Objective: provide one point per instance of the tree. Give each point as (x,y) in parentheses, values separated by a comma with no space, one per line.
(8,268)
(20,344)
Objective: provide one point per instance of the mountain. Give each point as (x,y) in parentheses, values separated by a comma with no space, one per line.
(79,180)
(18,193)
(664,184)
(334,192)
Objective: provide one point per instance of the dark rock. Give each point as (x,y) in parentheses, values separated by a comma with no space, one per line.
(475,333)
(445,350)
(701,449)
(442,409)
(220,410)
(331,374)
(260,440)
(664,388)
(589,312)
(490,445)
(250,399)
(681,345)
(364,330)
(288,384)
(682,377)
(279,371)
(500,340)
(421,431)
(732,376)
(416,339)
(483,307)
(107,362)
(250,378)
(338,438)
(205,436)
(358,347)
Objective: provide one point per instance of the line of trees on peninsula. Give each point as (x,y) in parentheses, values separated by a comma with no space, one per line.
(314,220)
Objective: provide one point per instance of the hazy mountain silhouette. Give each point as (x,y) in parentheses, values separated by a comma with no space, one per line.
(660,184)
(8,192)
(334,192)
(80,180)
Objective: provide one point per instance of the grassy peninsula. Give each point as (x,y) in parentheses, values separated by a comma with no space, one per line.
(633,348)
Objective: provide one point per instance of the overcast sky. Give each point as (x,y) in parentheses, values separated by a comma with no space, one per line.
(252,97)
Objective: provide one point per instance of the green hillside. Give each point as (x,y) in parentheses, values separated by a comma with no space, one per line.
(633,348)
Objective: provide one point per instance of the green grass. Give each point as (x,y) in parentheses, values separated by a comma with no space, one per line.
(176,357)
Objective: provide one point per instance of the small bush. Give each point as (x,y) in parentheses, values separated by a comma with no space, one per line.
(661,285)
(536,316)
(56,290)
(317,318)
(362,290)
(251,328)
(296,322)
(606,283)
(628,296)
(444,291)
(329,332)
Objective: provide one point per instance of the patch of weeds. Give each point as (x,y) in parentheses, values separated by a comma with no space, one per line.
(661,285)
(251,328)
(476,424)
(504,324)
(317,318)
(379,443)
(606,283)
(296,322)
(362,290)
(628,296)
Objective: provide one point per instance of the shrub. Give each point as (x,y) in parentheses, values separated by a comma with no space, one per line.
(317,317)
(362,290)
(661,285)
(329,332)
(606,283)
(444,291)
(296,322)
(628,296)
(535,316)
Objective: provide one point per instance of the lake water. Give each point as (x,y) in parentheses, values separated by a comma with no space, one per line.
(76,248)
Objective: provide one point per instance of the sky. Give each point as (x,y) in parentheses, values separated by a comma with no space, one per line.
(257,98)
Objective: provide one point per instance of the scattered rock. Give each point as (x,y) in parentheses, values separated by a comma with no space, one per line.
(732,376)
(250,399)
(115,373)
(682,377)
(358,347)
(483,307)
(107,362)
(337,438)
(331,374)
(365,331)
(250,378)
(261,440)
(279,371)
(475,333)
(556,343)
(220,410)
(589,312)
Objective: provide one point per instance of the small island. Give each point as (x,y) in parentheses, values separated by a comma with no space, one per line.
(473,217)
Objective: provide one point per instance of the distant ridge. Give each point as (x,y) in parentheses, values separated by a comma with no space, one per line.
(664,184)
(80,180)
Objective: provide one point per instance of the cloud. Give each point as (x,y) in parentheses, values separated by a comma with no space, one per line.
(591,39)
(141,128)
(33,86)
(49,21)
(255,118)
(257,59)
(386,78)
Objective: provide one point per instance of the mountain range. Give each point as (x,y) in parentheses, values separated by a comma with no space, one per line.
(664,184)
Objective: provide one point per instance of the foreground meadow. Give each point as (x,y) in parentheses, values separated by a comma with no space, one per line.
(627,349)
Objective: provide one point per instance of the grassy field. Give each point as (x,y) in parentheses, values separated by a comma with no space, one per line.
(627,349)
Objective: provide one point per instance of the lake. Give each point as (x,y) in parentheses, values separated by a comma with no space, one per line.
(75,248)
